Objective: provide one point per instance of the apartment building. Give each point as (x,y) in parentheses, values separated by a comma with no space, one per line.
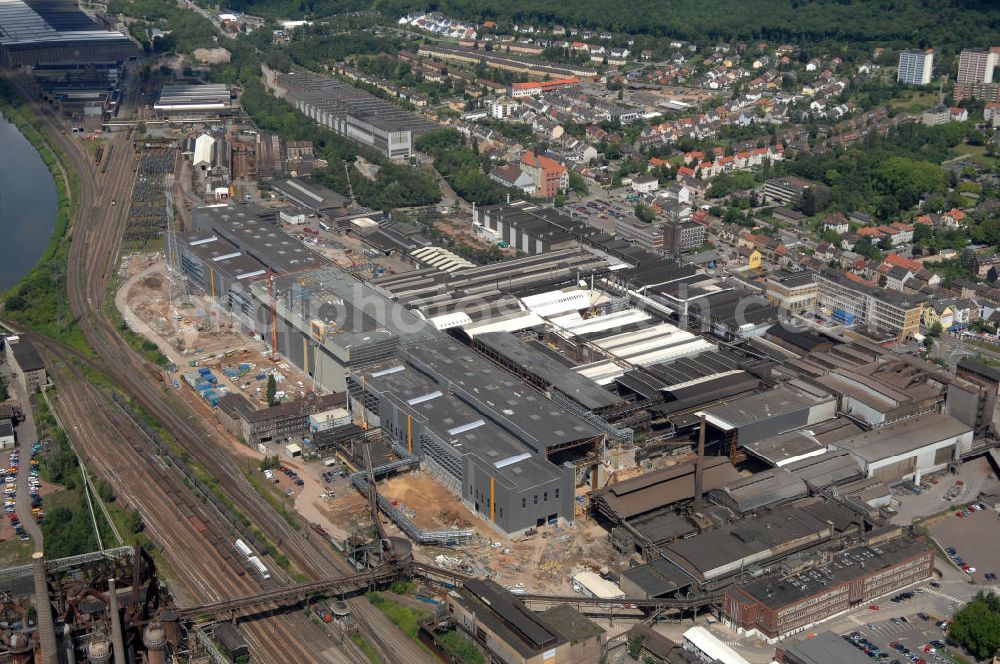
(550,177)
(976,65)
(682,236)
(854,301)
(915,66)
(791,291)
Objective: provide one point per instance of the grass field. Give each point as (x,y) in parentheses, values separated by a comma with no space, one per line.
(366,648)
(978,154)
(914,101)
(14,552)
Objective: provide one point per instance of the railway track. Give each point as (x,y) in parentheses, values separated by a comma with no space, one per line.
(193,540)
(204,568)
(201,562)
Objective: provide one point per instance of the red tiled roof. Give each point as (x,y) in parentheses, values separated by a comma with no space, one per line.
(895,260)
(541,161)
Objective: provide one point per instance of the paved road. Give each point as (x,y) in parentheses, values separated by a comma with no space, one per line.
(26,435)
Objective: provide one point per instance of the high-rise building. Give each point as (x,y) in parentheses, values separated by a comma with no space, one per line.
(976,65)
(915,66)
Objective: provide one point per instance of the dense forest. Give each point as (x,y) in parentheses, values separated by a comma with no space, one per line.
(945,24)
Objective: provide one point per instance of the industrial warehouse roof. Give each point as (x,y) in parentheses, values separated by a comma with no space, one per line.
(349,311)
(468,431)
(208,96)
(993,373)
(656,343)
(763,489)
(569,623)
(26,356)
(804,339)
(658,577)
(874,386)
(553,373)
(309,194)
(727,549)
(477,380)
(777,589)
(902,437)
(218,254)
(785,448)
(429,289)
(828,469)
(824,648)
(20,24)
(712,646)
(508,617)
(263,241)
(338,97)
(440,259)
(239,406)
(811,441)
(657,489)
(786,399)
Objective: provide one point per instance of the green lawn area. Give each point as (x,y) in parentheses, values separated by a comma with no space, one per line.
(404,617)
(14,552)
(978,154)
(366,648)
(914,102)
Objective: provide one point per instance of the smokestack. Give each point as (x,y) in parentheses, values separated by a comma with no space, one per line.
(155,640)
(117,642)
(699,466)
(46,628)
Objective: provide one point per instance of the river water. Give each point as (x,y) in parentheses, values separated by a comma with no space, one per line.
(28,205)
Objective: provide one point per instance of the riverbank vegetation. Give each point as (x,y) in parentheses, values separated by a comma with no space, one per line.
(39,301)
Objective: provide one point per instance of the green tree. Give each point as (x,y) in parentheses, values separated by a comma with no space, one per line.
(134,522)
(644,212)
(634,645)
(272,391)
(976,627)
(577,183)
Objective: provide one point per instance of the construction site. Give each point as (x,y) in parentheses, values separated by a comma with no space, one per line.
(189,329)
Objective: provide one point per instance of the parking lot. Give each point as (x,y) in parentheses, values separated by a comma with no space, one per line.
(600,213)
(335,482)
(933,498)
(975,537)
(286,480)
(900,640)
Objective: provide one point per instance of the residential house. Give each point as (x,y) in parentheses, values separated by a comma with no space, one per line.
(953,218)
(837,223)
(550,177)
(645,184)
(677,191)
(949,312)
(514,177)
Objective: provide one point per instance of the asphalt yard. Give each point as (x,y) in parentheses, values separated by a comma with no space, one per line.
(976,539)
(904,639)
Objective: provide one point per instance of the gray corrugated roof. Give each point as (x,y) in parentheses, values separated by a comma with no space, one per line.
(902,437)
